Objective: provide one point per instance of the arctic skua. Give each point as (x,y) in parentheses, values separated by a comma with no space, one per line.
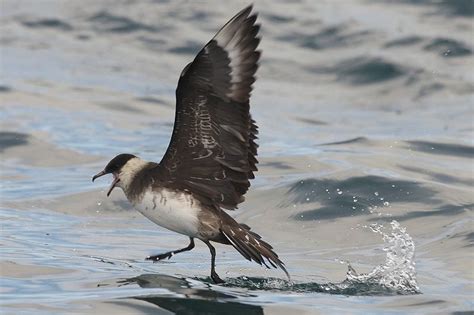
(212,153)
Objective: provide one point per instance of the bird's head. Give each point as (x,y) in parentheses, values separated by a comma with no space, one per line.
(123,167)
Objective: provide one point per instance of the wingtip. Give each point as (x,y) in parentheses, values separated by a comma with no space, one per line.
(245,12)
(251,14)
(248,8)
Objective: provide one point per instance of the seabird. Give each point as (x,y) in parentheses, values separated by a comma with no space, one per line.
(212,153)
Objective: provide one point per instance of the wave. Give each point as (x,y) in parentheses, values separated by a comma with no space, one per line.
(48,23)
(363,70)
(446,47)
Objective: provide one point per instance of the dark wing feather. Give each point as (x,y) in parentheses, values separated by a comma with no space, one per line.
(213,150)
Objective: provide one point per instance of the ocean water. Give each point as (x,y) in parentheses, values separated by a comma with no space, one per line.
(365,182)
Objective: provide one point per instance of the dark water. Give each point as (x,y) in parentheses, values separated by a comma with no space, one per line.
(366,170)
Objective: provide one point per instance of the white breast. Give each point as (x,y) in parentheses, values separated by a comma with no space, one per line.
(177,212)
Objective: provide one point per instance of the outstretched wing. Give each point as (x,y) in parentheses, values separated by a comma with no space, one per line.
(212,150)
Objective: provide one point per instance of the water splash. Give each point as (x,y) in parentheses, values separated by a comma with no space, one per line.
(398,271)
(396,276)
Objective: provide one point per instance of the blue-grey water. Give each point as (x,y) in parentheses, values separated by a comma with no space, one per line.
(365,182)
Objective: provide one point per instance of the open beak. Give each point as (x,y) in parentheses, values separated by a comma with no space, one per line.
(114,182)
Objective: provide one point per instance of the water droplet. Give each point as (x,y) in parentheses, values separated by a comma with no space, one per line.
(99,203)
(386,203)
(307,199)
(339,192)
(376,193)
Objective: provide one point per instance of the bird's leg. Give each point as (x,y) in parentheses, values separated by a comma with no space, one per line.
(168,255)
(214,276)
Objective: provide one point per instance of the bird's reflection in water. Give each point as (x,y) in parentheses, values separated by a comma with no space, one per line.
(186,299)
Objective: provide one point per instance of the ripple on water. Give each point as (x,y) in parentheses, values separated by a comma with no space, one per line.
(353,196)
(330,37)
(50,23)
(11,139)
(106,22)
(363,70)
(447,47)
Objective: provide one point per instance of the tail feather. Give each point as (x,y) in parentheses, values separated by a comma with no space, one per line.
(258,237)
(251,246)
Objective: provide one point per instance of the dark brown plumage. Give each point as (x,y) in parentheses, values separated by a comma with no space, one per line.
(212,150)
(211,157)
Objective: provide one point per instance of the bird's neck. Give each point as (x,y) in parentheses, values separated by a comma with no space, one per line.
(131,176)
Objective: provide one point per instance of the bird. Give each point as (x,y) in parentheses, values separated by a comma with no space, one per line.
(211,158)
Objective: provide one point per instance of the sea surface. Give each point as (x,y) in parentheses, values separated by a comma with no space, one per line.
(365,182)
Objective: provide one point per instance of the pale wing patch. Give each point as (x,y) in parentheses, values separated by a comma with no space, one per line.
(236,40)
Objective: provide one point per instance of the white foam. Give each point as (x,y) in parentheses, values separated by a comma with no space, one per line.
(398,271)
